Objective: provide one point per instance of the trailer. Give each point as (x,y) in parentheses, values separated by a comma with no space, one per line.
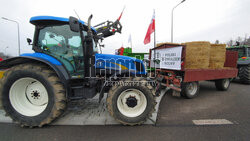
(185,82)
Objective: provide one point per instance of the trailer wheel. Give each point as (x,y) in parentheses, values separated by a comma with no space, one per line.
(190,89)
(222,84)
(132,104)
(32,95)
(244,74)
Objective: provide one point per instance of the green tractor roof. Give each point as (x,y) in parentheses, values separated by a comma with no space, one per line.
(241,46)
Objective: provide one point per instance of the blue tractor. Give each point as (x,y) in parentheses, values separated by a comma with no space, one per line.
(66,66)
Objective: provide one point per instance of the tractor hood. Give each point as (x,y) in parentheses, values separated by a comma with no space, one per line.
(111,56)
(118,62)
(245,61)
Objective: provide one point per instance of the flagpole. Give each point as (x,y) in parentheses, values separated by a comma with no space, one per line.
(154,33)
(154,40)
(154,43)
(131,43)
(130,40)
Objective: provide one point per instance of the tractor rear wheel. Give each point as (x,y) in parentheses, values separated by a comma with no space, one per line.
(32,95)
(244,74)
(131,104)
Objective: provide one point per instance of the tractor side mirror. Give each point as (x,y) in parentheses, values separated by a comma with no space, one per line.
(74,24)
(29,41)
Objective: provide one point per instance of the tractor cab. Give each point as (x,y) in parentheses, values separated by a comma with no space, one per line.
(54,36)
(71,41)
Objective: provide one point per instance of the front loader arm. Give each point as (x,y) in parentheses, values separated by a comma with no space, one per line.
(107,29)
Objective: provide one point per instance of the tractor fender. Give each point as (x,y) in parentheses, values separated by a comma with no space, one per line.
(124,72)
(56,66)
(130,73)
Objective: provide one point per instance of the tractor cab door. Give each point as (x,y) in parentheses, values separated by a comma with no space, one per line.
(65,45)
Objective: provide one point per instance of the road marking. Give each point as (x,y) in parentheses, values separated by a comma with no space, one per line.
(212,122)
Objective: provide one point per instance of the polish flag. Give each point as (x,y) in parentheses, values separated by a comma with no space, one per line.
(119,18)
(151,29)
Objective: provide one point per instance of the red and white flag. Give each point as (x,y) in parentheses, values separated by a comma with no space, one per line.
(119,18)
(151,29)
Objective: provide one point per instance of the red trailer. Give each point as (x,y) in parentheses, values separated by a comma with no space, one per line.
(185,82)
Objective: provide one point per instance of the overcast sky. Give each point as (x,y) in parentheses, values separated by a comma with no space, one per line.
(194,20)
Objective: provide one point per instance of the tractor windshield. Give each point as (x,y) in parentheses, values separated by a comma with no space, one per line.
(241,51)
(65,45)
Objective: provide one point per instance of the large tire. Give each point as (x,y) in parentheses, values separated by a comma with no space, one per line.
(190,89)
(132,104)
(244,74)
(32,95)
(222,84)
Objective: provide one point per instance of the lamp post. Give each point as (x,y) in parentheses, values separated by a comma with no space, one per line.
(5,51)
(17,32)
(172,20)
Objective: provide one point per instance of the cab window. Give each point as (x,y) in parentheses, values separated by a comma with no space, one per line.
(65,45)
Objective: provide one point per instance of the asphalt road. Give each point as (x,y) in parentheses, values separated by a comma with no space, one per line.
(175,121)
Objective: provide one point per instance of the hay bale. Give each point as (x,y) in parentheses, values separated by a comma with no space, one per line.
(197,55)
(217,56)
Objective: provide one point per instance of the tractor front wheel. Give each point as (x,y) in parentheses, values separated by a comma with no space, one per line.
(132,104)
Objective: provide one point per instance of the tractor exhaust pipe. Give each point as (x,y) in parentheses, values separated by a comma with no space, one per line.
(89,52)
(89,23)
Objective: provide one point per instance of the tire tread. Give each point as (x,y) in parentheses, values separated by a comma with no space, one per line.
(244,74)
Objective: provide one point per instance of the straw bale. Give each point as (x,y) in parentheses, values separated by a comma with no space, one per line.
(217,56)
(197,55)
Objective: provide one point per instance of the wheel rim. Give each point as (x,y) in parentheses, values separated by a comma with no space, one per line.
(226,83)
(28,96)
(192,88)
(132,103)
